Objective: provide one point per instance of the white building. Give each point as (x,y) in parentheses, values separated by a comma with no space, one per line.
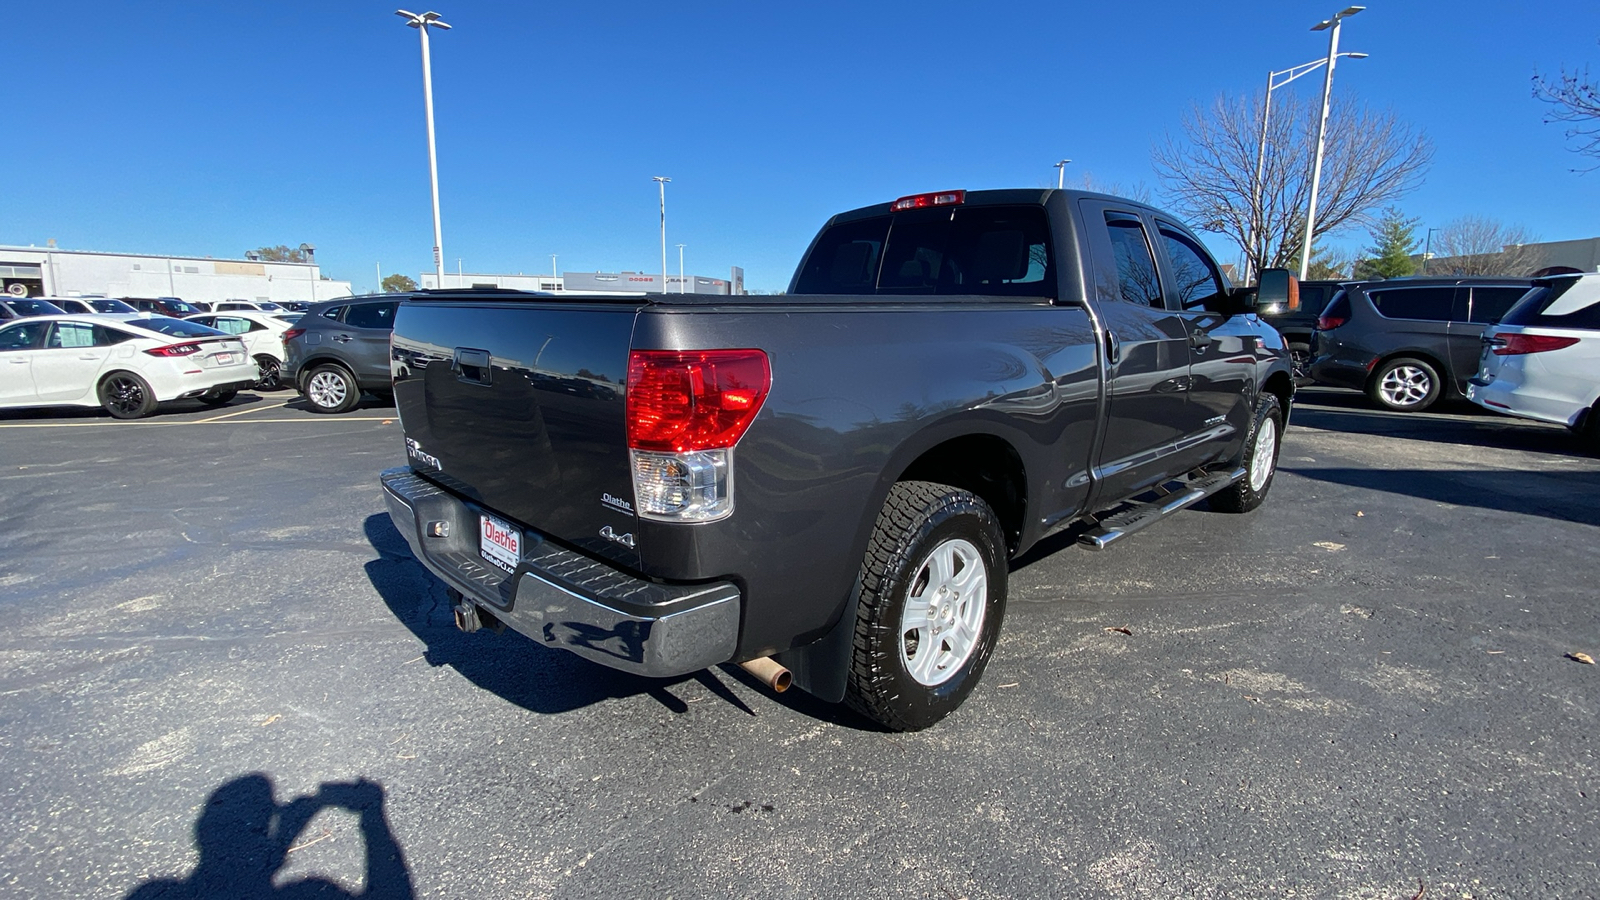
(51,272)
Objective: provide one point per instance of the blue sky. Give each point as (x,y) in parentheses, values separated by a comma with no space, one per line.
(208,128)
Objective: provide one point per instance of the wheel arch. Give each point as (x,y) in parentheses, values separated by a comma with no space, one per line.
(984,464)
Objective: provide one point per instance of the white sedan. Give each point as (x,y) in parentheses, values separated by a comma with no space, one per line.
(1542,359)
(125,363)
(262,334)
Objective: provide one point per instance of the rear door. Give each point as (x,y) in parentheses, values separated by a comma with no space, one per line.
(69,364)
(1416,321)
(365,339)
(1147,352)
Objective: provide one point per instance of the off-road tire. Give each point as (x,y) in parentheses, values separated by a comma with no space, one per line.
(1260,461)
(1405,385)
(921,519)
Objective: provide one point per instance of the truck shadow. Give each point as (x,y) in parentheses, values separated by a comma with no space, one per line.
(1567,496)
(509,665)
(244,837)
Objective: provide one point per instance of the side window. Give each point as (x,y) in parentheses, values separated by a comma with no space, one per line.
(1137,281)
(231,325)
(67,335)
(335,313)
(1195,276)
(22,336)
(845,259)
(107,337)
(1490,304)
(371,315)
(1433,304)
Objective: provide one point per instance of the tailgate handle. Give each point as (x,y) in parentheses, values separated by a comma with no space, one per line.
(471,366)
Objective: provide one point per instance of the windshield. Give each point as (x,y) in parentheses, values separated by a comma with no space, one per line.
(291,318)
(269,307)
(175,327)
(111,306)
(35,308)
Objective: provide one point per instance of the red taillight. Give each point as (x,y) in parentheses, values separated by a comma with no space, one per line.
(919,201)
(687,400)
(292,333)
(1518,344)
(1329,323)
(174,350)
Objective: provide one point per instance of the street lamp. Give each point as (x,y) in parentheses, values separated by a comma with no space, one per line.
(422,23)
(680,269)
(663,182)
(1322,128)
(1275,80)
(1061,174)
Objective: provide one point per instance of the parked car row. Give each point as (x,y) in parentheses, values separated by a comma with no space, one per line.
(1520,346)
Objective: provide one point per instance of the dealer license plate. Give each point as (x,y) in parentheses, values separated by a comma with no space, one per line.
(225,359)
(499,543)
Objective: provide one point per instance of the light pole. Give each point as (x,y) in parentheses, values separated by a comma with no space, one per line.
(1257,218)
(553,272)
(663,182)
(1322,129)
(422,23)
(1427,251)
(1061,174)
(680,269)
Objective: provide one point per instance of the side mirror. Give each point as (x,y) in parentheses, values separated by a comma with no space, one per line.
(1278,291)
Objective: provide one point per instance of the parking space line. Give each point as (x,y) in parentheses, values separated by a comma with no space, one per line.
(329,419)
(242,412)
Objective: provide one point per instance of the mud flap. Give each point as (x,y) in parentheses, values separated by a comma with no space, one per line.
(822,668)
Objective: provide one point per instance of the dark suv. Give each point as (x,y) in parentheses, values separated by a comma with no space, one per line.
(1409,341)
(1296,325)
(339,349)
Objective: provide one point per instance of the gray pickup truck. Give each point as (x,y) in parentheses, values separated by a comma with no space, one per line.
(827,485)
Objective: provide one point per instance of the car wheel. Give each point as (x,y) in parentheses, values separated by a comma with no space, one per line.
(218,398)
(1300,362)
(271,373)
(930,600)
(331,390)
(127,396)
(1404,385)
(1260,461)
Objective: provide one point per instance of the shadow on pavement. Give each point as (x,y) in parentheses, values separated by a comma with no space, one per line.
(245,836)
(509,665)
(1568,496)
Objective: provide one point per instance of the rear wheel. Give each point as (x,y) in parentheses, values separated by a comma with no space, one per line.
(127,396)
(1300,361)
(331,389)
(271,373)
(931,599)
(1260,461)
(1405,385)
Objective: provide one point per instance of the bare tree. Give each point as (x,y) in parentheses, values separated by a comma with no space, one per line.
(1477,245)
(1370,160)
(1573,98)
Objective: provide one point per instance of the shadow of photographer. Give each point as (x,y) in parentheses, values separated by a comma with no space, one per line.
(245,837)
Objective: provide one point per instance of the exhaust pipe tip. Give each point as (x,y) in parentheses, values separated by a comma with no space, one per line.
(769,672)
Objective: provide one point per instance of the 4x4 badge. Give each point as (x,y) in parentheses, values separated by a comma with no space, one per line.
(625,540)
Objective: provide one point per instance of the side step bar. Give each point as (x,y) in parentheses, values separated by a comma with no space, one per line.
(1121,524)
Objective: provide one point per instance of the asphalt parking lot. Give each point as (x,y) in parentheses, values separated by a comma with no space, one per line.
(223,675)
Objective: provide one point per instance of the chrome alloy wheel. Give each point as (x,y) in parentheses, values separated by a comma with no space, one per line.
(326,389)
(1405,386)
(1265,455)
(944,610)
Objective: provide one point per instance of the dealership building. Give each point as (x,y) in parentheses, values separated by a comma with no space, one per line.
(593,282)
(52,272)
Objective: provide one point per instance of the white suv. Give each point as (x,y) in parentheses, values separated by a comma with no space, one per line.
(1542,360)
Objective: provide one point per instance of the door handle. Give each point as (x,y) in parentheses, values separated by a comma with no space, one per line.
(1200,340)
(342,338)
(1113,348)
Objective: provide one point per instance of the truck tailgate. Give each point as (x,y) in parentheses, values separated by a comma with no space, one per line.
(518,406)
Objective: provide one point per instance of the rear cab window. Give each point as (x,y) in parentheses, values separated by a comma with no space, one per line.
(977,250)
